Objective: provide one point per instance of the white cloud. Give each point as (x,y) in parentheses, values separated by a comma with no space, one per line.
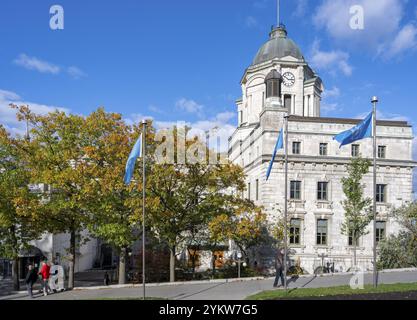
(381,20)
(218,127)
(8,115)
(76,72)
(327,108)
(190,106)
(225,116)
(301,8)
(137,118)
(331,93)
(156,109)
(332,61)
(381,115)
(405,40)
(32,63)
(384,32)
(35,64)
(251,22)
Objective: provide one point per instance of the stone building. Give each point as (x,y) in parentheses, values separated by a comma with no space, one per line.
(316,163)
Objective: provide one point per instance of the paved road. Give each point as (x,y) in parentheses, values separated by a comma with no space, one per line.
(220,291)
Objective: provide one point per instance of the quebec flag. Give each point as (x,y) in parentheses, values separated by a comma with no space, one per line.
(361,131)
(130,165)
(279,145)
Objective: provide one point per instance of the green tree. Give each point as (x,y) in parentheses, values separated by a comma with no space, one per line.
(55,155)
(357,208)
(186,196)
(113,205)
(400,251)
(18,205)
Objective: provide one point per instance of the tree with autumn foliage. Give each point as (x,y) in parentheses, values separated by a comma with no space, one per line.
(18,205)
(116,208)
(56,155)
(246,226)
(187,196)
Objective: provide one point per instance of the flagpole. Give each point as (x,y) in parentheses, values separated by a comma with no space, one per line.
(375,275)
(286,203)
(143,206)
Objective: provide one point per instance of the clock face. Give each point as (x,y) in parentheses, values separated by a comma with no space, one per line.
(288,79)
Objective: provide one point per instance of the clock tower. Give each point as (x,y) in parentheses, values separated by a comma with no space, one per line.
(301,87)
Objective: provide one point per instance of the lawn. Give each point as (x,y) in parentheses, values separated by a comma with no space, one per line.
(333,291)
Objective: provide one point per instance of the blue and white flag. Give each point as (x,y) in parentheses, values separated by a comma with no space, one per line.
(279,145)
(134,155)
(361,131)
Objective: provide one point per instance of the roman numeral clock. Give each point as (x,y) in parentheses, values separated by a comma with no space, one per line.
(288,79)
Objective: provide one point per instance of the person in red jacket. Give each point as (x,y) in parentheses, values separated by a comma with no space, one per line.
(44,273)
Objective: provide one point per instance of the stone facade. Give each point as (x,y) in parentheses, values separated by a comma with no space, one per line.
(252,144)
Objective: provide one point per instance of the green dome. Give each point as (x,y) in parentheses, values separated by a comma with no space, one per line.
(278,46)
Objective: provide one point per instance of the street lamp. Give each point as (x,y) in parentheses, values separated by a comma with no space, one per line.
(239,261)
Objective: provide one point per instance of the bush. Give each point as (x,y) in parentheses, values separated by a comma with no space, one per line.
(398,252)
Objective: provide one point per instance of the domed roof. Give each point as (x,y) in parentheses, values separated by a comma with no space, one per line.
(278,46)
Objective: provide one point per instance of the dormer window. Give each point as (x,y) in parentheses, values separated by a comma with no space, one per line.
(273,84)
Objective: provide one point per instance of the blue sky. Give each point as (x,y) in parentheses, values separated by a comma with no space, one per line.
(183,59)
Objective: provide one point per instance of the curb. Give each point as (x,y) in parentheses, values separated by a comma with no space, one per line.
(122,286)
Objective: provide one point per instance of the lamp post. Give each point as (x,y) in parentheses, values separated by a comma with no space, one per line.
(239,261)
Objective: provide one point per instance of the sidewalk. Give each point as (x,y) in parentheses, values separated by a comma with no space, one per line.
(235,289)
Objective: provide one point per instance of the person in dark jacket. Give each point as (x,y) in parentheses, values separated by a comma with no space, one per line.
(106,279)
(279,267)
(30,280)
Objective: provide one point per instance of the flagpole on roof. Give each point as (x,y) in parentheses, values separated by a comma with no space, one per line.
(143,207)
(375,274)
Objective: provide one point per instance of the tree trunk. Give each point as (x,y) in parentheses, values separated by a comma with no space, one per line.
(213,259)
(193,258)
(122,266)
(354,250)
(71,261)
(15,274)
(172,264)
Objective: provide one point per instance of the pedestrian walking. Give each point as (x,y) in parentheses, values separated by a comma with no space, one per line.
(279,267)
(45,273)
(30,280)
(106,279)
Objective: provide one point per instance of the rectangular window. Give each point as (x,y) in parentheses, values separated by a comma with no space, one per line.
(323,149)
(355,150)
(296,147)
(248,191)
(257,189)
(295,231)
(380,230)
(287,102)
(322,191)
(295,190)
(240,117)
(381,191)
(351,239)
(321,232)
(382,152)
